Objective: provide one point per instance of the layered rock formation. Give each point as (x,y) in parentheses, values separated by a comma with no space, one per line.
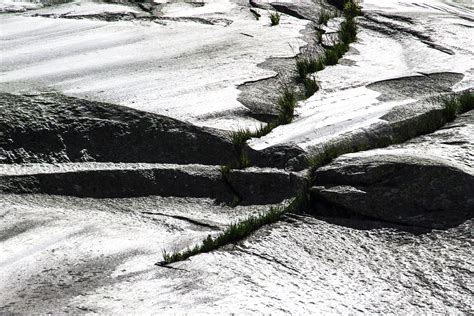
(115,149)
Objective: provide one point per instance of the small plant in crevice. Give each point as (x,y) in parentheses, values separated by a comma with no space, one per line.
(286,105)
(310,87)
(333,54)
(240,136)
(307,65)
(275,18)
(451,108)
(236,232)
(324,17)
(351,10)
(348,31)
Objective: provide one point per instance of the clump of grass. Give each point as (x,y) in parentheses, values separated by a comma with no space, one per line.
(302,67)
(275,18)
(238,231)
(348,31)
(324,17)
(255,14)
(333,54)
(351,10)
(286,105)
(305,66)
(240,136)
(310,86)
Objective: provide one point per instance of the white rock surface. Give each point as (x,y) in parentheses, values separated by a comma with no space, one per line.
(183,68)
(345,102)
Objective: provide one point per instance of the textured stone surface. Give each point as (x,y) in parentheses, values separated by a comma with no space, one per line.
(51,127)
(426,182)
(264,186)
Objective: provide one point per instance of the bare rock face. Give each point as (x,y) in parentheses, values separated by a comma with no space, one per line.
(51,127)
(427,182)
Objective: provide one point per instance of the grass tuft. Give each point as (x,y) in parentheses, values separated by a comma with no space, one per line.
(275,18)
(241,136)
(351,10)
(348,31)
(310,86)
(324,17)
(238,231)
(286,105)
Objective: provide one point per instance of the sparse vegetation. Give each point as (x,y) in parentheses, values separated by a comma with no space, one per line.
(351,10)
(240,136)
(348,31)
(306,65)
(310,86)
(275,18)
(324,17)
(286,105)
(238,231)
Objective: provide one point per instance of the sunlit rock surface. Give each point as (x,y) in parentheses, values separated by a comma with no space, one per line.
(426,182)
(186,63)
(405,51)
(106,104)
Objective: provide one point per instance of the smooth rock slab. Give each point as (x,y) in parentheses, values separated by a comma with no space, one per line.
(421,183)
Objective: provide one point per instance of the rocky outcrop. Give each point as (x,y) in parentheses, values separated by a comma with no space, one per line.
(51,127)
(251,186)
(118,180)
(426,182)
(265,186)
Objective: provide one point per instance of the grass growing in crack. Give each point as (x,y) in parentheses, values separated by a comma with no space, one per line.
(306,65)
(286,105)
(333,54)
(310,86)
(238,231)
(348,31)
(275,18)
(324,17)
(351,10)
(240,136)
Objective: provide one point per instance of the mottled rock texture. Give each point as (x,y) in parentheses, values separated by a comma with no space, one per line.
(426,182)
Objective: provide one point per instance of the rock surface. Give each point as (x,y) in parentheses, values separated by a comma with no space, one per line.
(116,101)
(97,256)
(50,127)
(425,182)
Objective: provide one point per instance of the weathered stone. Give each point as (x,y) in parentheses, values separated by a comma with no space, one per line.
(43,128)
(425,182)
(119,180)
(265,186)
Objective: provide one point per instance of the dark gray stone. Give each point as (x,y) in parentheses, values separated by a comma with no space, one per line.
(56,128)
(265,186)
(426,182)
